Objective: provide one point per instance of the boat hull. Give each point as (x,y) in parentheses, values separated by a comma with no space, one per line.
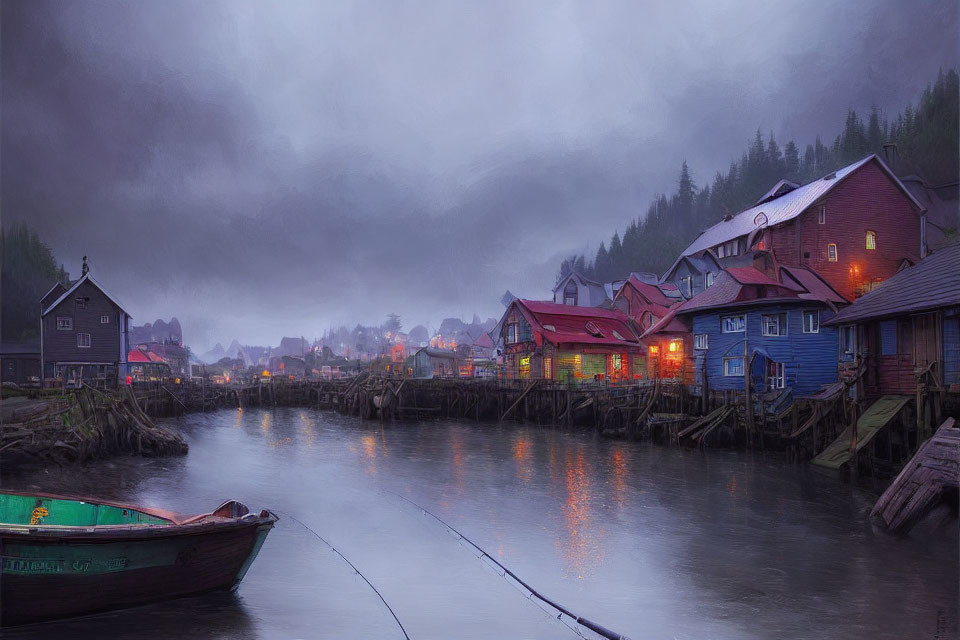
(47,577)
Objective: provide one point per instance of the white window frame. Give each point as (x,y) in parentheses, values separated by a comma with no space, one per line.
(708,279)
(686,284)
(105,318)
(822,219)
(726,367)
(835,256)
(779,379)
(781,325)
(847,351)
(701,341)
(80,341)
(743,322)
(64,323)
(811,327)
(515,327)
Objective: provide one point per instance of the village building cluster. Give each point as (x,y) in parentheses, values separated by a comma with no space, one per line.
(855,267)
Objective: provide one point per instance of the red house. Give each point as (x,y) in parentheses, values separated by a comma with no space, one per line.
(646,303)
(855,227)
(568,343)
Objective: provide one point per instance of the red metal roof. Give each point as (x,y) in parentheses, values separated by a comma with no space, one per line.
(734,286)
(562,323)
(650,292)
(135,355)
(751,275)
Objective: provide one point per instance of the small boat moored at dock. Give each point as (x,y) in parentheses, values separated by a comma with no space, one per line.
(66,556)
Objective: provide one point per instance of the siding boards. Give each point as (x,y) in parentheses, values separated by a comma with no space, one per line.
(105,339)
(866,200)
(810,359)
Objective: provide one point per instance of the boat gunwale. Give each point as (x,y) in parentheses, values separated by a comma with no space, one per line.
(176,524)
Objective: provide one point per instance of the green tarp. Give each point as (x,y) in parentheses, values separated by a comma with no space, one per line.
(876,417)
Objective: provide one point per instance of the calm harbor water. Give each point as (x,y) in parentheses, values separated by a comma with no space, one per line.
(649,541)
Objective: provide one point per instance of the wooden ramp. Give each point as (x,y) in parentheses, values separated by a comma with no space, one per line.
(875,418)
(921,483)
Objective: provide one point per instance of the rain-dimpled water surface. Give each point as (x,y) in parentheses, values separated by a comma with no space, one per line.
(649,541)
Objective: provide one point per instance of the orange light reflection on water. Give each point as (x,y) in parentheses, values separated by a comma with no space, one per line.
(582,546)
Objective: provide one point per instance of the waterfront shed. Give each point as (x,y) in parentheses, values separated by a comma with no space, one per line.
(908,329)
(431,362)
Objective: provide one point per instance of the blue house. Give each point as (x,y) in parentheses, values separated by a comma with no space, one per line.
(768,325)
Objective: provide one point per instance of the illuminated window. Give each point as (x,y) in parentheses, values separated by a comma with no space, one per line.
(83,340)
(525,367)
(832,252)
(617,361)
(548,368)
(871,240)
(733,324)
(733,366)
(700,341)
(675,346)
(823,215)
(811,322)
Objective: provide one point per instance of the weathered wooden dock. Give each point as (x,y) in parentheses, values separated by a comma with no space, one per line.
(930,476)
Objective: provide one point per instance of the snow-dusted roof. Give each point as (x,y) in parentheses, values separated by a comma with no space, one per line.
(784,208)
(74,288)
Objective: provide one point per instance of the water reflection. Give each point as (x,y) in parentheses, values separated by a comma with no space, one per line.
(582,545)
(650,541)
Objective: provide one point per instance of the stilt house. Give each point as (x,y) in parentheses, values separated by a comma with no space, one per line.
(569,343)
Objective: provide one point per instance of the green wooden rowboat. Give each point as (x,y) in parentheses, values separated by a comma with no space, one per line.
(65,556)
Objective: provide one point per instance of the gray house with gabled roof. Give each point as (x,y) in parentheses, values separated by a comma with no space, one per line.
(84,332)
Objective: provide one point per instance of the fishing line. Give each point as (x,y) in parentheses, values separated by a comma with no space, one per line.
(352,566)
(531,592)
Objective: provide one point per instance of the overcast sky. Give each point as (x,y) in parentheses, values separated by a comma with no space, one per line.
(267,169)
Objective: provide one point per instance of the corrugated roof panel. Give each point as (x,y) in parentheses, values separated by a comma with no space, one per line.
(778,210)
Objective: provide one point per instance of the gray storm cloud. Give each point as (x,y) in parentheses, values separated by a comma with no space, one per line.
(260,170)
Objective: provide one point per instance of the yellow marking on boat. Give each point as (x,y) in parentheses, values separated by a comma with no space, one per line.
(38,513)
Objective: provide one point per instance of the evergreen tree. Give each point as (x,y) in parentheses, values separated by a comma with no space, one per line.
(29,270)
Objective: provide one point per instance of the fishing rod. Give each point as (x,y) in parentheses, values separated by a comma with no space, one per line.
(580,620)
(352,566)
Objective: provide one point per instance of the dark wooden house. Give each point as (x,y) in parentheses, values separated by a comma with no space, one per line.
(20,363)
(854,227)
(907,331)
(83,333)
(765,325)
(568,343)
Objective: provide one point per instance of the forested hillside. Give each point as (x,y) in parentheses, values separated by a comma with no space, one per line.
(926,136)
(29,270)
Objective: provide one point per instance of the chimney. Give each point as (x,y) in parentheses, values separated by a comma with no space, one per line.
(891,156)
